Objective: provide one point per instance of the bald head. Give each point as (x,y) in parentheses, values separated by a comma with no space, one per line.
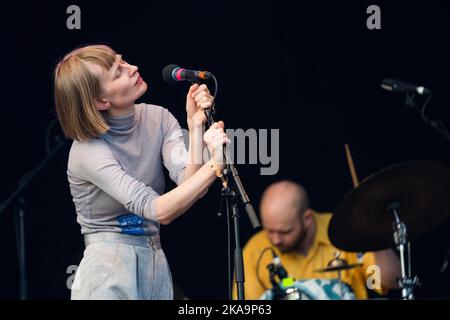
(284,199)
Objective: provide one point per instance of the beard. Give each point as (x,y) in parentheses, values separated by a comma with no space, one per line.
(298,243)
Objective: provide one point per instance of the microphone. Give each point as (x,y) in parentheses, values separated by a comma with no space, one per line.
(444,265)
(284,288)
(280,271)
(173,73)
(400,86)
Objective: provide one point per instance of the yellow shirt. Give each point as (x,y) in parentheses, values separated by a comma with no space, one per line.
(302,267)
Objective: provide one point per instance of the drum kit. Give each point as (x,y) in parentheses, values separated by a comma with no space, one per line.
(389,209)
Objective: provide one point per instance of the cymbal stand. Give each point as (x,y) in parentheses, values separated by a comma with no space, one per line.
(406,282)
(339,272)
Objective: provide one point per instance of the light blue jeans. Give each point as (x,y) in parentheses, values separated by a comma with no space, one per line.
(121,266)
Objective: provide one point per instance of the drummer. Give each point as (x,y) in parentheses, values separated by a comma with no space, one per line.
(299,235)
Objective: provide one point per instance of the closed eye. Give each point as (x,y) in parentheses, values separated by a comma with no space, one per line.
(118,73)
(120,68)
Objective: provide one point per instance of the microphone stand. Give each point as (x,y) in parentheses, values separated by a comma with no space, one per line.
(436,124)
(24,181)
(231,194)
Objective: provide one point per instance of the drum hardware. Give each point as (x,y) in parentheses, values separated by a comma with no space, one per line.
(338,265)
(391,207)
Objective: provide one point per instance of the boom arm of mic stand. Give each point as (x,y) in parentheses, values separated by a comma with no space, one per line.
(244,198)
(237,181)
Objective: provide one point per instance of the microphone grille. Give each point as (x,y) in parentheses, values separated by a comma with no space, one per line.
(167,73)
(388,84)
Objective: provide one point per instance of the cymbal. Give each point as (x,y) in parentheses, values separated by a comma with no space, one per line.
(361,221)
(339,267)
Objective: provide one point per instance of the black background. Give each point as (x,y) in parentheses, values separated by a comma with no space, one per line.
(310,69)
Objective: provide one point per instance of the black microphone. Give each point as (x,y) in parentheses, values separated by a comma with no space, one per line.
(283,288)
(444,264)
(400,86)
(279,269)
(173,73)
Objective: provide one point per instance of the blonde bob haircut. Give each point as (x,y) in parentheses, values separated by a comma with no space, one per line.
(76,89)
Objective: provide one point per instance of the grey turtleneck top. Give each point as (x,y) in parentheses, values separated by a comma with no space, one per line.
(115,178)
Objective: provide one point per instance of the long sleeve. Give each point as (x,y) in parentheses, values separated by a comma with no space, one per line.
(95,162)
(174,151)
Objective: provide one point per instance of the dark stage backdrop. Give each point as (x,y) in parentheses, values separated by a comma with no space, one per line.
(310,69)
